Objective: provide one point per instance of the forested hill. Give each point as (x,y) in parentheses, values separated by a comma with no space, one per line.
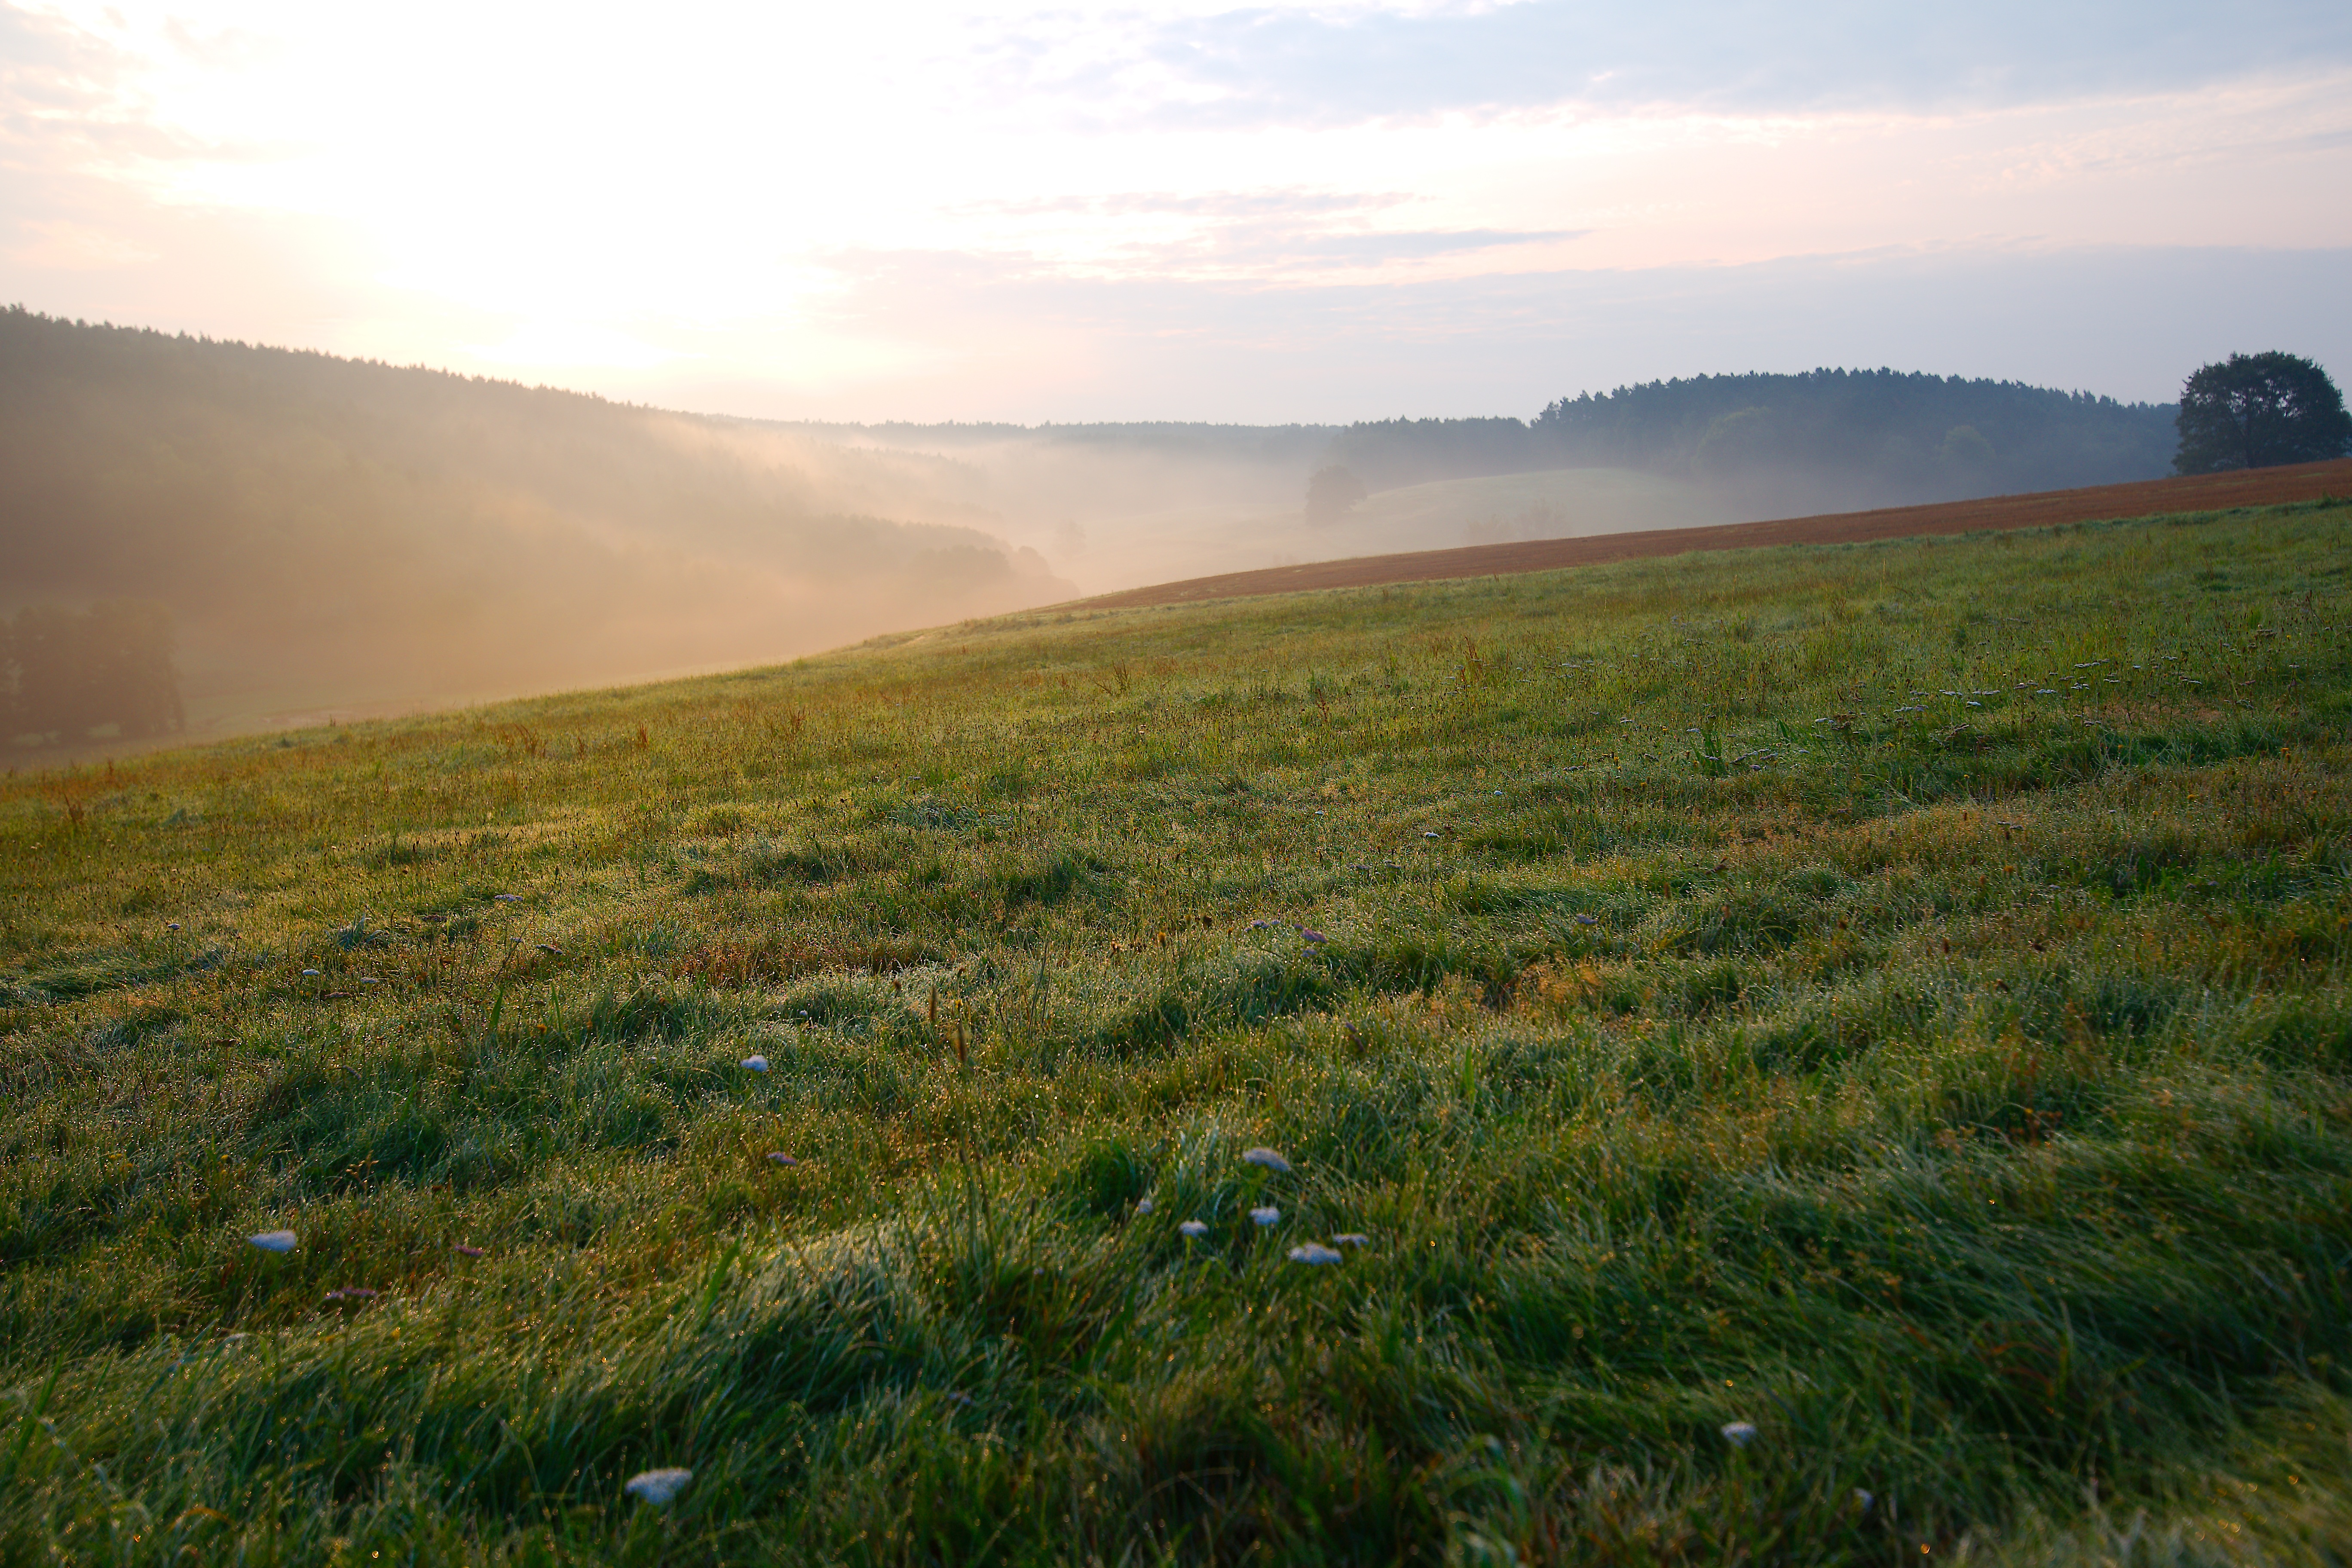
(1823,438)
(328,531)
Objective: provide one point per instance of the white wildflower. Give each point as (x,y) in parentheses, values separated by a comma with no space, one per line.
(780,1158)
(1193,1228)
(1313,1252)
(1351,1239)
(273,1240)
(757,1064)
(1268,1158)
(1142,1205)
(657,1486)
(1267,1215)
(1739,1434)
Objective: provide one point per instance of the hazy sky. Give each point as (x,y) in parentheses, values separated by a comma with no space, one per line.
(1280,212)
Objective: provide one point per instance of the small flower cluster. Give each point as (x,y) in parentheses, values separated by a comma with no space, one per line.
(1266,1216)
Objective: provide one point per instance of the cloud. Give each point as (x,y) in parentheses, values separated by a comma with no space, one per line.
(1414,245)
(1332,66)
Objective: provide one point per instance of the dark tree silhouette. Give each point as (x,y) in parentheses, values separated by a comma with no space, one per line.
(2257,411)
(1331,493)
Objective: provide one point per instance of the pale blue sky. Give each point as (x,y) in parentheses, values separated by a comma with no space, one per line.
(1284,213)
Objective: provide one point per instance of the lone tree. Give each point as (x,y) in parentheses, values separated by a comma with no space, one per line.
(1330,493)
(2257,411)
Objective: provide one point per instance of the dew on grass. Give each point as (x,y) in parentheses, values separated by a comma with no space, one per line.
(1268,1158)
(657,1486)
(273,1240)
(1267,1215)
(1313,1252)
(1351,1239)
(1193,1228)
(778,1157)
(1739,1434)
(757,1064)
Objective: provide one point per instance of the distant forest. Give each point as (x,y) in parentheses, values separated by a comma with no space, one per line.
(324,530)
(1841,438)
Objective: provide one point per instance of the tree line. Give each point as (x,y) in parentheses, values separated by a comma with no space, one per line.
(66,672)
(1864,437)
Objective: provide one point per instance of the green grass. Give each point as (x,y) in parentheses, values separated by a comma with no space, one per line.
(1707,1019)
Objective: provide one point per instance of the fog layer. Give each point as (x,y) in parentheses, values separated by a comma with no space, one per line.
(333,534)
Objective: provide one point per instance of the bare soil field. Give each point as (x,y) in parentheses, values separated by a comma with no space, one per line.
(2203,492)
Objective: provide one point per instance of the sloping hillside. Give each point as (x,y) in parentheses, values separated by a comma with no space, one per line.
(331,531)
(1816,1057)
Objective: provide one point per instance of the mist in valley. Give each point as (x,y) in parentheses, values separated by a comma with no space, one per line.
(337,537)
(325,536)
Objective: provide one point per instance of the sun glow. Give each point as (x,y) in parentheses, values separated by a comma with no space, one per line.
(842,200)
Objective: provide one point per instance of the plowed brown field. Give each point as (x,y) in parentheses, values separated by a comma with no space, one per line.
(2149,497)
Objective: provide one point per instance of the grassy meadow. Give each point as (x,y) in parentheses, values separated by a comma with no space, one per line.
(1894,996)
